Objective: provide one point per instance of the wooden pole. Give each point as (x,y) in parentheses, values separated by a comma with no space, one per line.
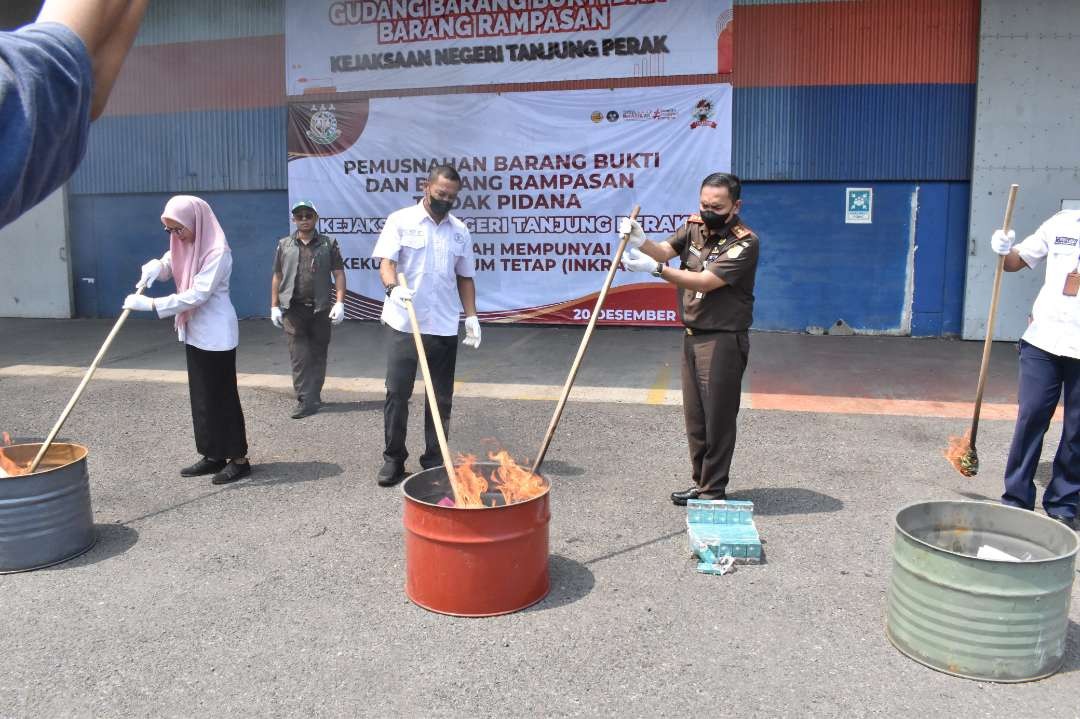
(582,347)
(82,386)
(429,388)
(988,342)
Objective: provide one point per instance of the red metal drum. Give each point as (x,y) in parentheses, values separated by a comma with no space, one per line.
(475,562)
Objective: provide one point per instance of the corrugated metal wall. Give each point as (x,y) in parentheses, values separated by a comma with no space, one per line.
(199,105)
(867,92)
(862,89)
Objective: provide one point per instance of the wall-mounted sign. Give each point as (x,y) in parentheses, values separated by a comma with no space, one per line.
(859,204)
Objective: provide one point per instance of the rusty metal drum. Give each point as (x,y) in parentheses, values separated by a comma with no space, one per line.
(45,517)
(981,590)
(473,562)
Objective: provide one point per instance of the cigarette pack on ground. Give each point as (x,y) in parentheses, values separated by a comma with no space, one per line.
(722,528)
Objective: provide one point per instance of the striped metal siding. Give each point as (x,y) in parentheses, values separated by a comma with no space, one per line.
(169,21)
(855,90)
(853,132)
(186,152)
(172,139)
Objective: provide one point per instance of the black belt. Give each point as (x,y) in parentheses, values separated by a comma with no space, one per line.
(695,332)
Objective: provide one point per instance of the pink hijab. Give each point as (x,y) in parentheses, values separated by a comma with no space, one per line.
(188,258)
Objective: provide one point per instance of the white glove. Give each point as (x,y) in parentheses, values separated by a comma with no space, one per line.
(633,229)
(472,332)
(400,294)
(150,272)
(337,313)
(139,303)
(1002,241)
(637,261)
(275,316)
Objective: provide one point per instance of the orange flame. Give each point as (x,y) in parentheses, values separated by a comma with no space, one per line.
(470,485)
(515,483)
(962,456)
(8,466)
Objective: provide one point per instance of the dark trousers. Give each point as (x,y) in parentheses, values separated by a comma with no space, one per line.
(215,404)
(401,361)
(712,371)
(1042,377)
(309,339)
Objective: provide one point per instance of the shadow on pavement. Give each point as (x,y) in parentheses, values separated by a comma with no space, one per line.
(570,581)
(273,473)
(561,469)
(978,497)
(1072,649)
(359,406)
(267,474)
(112,540)
(637,546)
(779,501)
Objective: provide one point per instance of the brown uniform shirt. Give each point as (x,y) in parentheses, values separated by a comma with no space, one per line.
(733,256)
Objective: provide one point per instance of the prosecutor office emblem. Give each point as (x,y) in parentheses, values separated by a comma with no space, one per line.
(701,113)
(323,127)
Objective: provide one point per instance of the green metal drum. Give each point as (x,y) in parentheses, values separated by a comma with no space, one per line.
(991,619)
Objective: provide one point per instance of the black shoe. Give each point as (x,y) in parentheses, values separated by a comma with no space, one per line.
(390,474)
(203,466)
(680,498)
(1069,522)
(304,410)
(232,472)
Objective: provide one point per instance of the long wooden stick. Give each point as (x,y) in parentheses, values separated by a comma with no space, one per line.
(429,388)
(582,347)
(79,390)
(988,342)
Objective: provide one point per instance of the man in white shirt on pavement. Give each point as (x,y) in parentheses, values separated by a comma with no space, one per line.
(433,249)
(1049,362)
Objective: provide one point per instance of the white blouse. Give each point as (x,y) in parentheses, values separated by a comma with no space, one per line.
(212,323)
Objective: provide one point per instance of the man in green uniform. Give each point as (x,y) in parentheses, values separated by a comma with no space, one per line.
(718,258)
(304,264)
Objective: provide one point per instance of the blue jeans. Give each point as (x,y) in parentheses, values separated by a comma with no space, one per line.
(1042,377)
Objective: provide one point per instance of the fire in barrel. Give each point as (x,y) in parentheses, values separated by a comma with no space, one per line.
(485,553)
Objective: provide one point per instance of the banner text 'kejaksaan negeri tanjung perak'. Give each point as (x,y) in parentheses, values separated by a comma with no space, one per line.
(543,222)
(365,45)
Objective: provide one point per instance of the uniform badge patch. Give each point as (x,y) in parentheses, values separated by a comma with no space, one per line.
(736,250)
(1067,241)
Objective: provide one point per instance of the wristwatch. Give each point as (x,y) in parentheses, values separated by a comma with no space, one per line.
(390,288)
(659,270)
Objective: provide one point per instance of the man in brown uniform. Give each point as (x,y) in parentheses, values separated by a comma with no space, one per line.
(718,259)
(300,302)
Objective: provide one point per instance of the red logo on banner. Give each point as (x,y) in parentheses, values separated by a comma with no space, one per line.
(701,113)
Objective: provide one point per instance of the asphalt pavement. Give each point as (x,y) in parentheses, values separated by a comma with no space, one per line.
(282,595)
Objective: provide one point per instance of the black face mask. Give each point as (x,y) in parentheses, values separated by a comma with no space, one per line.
(714,220)
(440,207)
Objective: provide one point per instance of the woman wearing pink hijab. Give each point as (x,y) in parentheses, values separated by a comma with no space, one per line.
(200,262)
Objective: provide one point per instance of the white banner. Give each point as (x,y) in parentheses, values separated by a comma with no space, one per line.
(546,177)
(373,45)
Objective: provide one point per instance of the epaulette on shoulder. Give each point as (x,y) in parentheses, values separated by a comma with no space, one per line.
(741,231)
(696,219)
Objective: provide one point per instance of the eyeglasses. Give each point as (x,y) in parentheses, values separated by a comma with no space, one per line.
(305,216)
(173,230)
